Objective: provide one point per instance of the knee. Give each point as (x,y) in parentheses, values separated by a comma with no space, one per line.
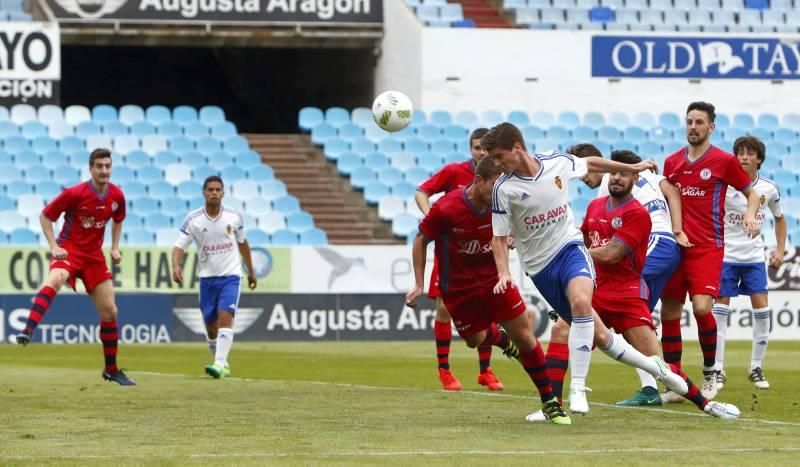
(56,280)
(524,340)
(108,313)
(582,306)
(475,339)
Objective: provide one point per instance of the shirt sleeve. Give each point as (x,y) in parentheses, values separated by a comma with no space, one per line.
(635,229)
(602,190)
(774,204)
(239,233)
(576,167)
(185,236)
(119,214)
(434,224)
(735,175)
(667,169)
(438,181)
(501,214)
(62,202)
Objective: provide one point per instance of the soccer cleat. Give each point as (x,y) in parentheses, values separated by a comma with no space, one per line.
(118,377)
(758,379)
(511,351)
(577,400)
(226,372)
(215,371)
(489,379)
(553,411)
(722,378)
(536,417)
(449,381)
(23,339)
(644,397)
(722,410)
(673,381)
(671,397)
(709,388)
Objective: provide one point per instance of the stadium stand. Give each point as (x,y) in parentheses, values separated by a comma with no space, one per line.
(463,14)
(161,157)
(388,166)
(12,10)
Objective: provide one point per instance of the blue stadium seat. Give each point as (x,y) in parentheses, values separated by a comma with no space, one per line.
(37,174)
(149,174)
(763,134)
(322,133)
(362,146)
(145,205)
(744,121)
(299,221)
(220,159)
(271,221)
(650,149)
(173,205)
(48,190)
(389,175)
(195,202)
(157,114)
(157,220)
(416,175)
(23,236)
(75,114)
(43,144)
(184,114)
(16,144)
(518,118)
(143,128)
(490,118)
(23,113)
(189,189)
(403,189)
(9,174)
(310,117)
(583,133)
(56,158)
(558,133)
(430,161)
(181,145)
(193,158)
(8,204)
(403,161)
(139,237)
(362,116)
(416,145)
(85,129)
(236,144)
(196,131)
(441,118)
(786,135)
(451,12)
(131,114)
(335,147)
(404,225)
(25,159)
(200,173)
(125,144)
(257,237)
(233,173)
(164,158)
(337,116)
(161,190)
(8,129)
(374,191)
(466,118)
(376,161)
(634,134)
(608,133)
(348,162)
(273,189)
(791,120)
(361,176)
(261,173)
(375,134)
(114,128)
(390,206)
(673,147)
(6,158)
(65,175)
(722,121)
(442,146)
(314,236)
(286,204)
(169,129)
(456,132)
(208,146)
(284,237)
(137,159)
(49,113)
(624,144)
(768,121)
(248,159)
(32,130)
(177,173)
(104,113)
(350,132)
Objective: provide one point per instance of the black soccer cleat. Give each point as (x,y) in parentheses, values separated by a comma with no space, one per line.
(23,339)
(118,377)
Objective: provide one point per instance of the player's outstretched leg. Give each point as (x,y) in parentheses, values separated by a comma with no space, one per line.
(41,303)
(443,333)
(103,297)
(713,408)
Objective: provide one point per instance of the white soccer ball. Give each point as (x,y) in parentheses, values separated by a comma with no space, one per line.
(392,111)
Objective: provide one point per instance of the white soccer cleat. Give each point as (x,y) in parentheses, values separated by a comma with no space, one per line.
(536,417)
(577,400)
(669,397)
(673,381)
(722,378)
(758,379)
(709,388)
(722,410)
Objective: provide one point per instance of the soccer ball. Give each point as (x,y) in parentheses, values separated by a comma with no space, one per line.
(392,111)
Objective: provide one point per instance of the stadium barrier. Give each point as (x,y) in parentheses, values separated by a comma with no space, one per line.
(31,69)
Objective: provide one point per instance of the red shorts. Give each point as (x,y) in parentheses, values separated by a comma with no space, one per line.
(433,287)
(623,313)
(475,310)
(92,270)
(698,273)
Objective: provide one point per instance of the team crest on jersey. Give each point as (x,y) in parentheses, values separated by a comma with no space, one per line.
(616,222)
(559,184)
(228,229)
(114,206)
(763,199)
(705,174)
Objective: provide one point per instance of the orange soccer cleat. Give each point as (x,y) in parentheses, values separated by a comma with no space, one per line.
(489,379)
(449,381)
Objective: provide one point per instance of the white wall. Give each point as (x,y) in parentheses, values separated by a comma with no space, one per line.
(399,66)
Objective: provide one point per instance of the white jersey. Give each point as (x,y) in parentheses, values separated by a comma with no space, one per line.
(648,193)
(217,238)
(535,210)
(739,248)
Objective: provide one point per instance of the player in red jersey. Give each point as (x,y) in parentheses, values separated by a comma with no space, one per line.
(617,231)
(702,172)
(77,253)
(461,225)
(452,177)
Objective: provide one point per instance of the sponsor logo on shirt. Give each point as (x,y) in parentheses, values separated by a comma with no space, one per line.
(656,205)
(473,247)
(705,174)
(616,222)
(691,191)
(595,240)
(550,217)
(89,222)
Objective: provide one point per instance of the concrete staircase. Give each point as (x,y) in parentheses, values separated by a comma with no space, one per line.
(337,208)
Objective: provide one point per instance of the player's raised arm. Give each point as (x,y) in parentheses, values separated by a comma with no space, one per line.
(423,201)
(673,197)
(600,165)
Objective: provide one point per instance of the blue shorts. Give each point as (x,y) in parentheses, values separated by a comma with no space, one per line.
(572,261)
(743,279)
(219,293)
(663,257)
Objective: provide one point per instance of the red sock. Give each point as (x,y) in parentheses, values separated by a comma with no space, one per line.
(557,362)
(496,337)
(707,332)
(694,394)
(484,357)
(536,367)
(671,343)
(109,336)
(443,335)
(41,303)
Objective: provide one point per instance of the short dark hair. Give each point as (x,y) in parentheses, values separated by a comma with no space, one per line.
(213,178)
(752,143)
(584,150)
(487,168)
(502,136)
(625,156)
(99,153)
(706,107)
(477,133)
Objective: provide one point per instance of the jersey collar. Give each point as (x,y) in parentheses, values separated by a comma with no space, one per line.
(686,155)
(469,203)
(608,202)
(99,196)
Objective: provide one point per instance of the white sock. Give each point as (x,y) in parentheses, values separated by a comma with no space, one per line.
(760,336)
(581,337)
(647,379)
(212,345)
(721,313)
(619,349)
(224,343)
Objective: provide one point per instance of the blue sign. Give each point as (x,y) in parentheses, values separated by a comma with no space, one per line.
(72,319)
(695,57)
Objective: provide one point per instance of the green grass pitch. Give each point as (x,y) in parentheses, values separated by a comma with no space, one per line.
(367,403)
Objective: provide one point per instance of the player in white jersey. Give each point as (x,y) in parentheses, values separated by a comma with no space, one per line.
(531,202)
(744,270)
(219,234)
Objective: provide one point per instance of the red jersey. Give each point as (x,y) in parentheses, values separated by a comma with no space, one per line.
(703,185)
(629,224)
(463,239)
(451,177)
(85,216)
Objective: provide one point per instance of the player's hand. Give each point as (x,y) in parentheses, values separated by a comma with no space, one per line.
(251,281)
(116,256)
(505,282)
(58,253)
(776,259)
(683,240)
(177,275)
(645,165)
(413,295)
(511,243)
(751,226)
